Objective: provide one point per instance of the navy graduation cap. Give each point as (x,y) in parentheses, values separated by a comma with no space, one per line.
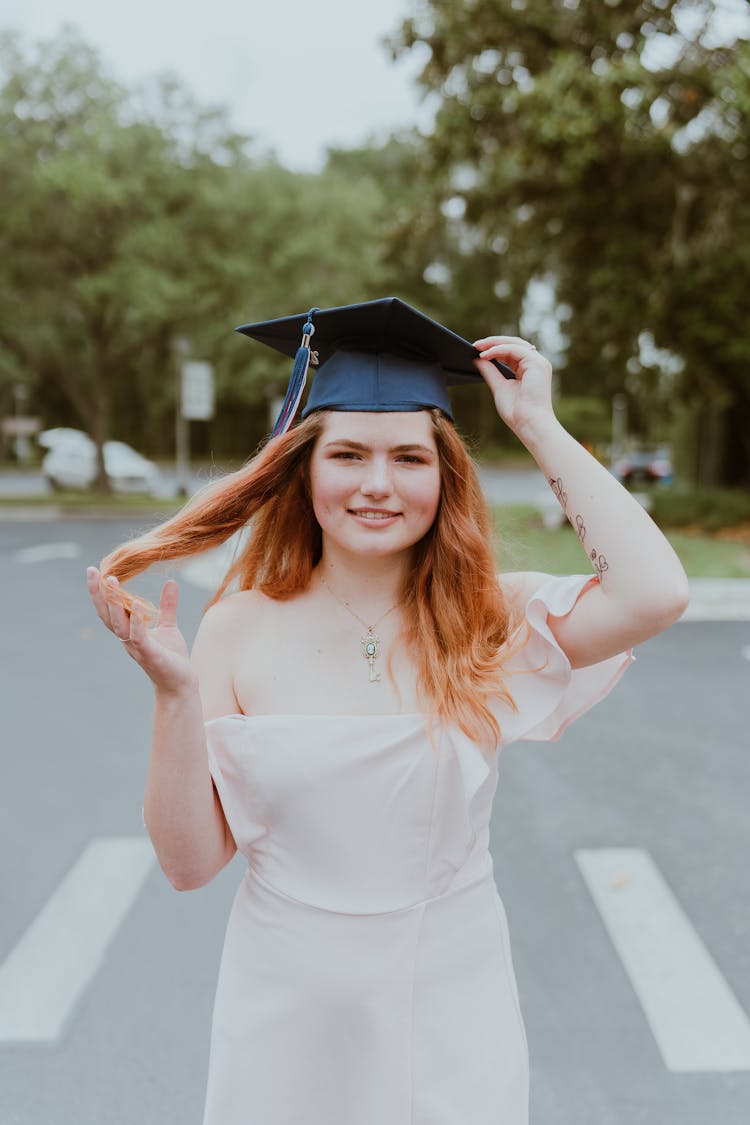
(380,355)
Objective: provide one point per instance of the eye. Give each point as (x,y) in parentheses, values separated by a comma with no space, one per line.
(344,455)
(411,459)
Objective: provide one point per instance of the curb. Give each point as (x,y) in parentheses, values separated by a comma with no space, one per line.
(47,513)
(718,599)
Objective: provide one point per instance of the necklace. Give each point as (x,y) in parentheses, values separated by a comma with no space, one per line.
(371,640)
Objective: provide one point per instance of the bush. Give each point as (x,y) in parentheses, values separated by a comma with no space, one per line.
(709,509)
(586,417)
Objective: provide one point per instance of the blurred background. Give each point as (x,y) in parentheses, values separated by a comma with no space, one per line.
(574,172)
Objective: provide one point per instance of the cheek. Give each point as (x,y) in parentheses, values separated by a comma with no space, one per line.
(425,496)
(326,489)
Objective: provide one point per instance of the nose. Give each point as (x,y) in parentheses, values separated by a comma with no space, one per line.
(377,479)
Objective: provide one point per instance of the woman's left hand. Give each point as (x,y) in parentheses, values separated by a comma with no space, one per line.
(525,401)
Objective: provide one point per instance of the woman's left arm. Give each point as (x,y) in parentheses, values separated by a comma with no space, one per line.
(642,585)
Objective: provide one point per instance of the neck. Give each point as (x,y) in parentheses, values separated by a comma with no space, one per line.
(369,585)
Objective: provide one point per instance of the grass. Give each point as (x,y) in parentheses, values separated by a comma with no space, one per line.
(92,500)
(525,545)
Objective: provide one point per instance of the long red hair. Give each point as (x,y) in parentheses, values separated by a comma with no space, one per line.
(456,617)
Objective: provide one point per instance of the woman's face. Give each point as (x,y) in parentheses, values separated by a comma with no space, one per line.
(375,480)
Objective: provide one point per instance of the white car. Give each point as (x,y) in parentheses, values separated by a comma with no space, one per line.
(62,435)
(72,464)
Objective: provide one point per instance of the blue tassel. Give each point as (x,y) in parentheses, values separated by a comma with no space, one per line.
(296,380)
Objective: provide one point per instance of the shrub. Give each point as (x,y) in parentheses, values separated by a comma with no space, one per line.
(709,509)
(586,417)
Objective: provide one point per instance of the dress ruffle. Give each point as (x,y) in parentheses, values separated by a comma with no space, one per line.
(548,693)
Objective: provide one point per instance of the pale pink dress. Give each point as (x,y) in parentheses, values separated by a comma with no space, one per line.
(366,977)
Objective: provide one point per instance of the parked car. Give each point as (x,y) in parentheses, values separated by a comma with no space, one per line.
(71,463)
(62,435)
(643,467)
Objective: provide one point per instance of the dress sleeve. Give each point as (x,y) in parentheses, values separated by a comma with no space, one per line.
(228,763)
(548,693)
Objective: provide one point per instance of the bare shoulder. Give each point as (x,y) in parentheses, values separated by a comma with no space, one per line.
(226,618)
(520,585)
(218,641)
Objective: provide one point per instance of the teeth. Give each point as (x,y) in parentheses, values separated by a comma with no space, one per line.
(375,515)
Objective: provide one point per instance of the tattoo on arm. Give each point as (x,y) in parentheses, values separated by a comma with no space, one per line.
(598,561)
(556,485)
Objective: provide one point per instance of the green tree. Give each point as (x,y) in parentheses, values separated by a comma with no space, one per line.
(93,265)
(603,146)
(130,221)
(432,262)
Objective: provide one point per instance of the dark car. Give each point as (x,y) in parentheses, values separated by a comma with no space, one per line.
(644,467)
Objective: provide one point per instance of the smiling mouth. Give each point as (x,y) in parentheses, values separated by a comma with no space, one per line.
(373,513)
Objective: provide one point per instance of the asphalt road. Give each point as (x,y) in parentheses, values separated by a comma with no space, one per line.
(661,765)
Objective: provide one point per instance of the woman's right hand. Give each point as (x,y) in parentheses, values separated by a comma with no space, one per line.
(160,651)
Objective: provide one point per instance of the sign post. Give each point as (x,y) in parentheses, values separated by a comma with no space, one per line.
(197,391)
(196,403)
(619,427)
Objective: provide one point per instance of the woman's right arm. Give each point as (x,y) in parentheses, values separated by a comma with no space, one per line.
(182,810)
(181,807)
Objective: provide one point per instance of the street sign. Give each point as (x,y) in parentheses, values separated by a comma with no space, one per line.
(197,391)
(22,425)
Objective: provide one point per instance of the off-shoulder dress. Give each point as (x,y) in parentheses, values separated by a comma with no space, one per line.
(366,976)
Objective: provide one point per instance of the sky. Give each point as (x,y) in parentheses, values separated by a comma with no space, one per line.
(297,76)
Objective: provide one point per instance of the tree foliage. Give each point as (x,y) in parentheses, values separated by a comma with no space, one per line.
(602,148)
(131,221)
(605,147)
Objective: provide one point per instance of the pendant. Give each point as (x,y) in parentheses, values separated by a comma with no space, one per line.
(370,651)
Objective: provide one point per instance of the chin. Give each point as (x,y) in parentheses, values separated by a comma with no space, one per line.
(378,549)
(374,545)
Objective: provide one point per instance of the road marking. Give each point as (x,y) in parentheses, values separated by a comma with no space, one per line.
(45,974)
(207,570)
(47,552)
(695,1018)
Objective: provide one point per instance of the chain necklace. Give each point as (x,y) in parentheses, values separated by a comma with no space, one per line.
(371,640)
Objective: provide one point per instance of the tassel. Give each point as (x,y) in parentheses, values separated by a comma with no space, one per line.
(296,380)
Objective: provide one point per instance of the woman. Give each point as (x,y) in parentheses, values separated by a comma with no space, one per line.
(339,720)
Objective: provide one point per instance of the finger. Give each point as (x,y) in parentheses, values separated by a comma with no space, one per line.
(499,339)
(503,391)
(118,614)
(168,604)
(96,593)
(511,349)
(93,579)
(138,631)
(138,642)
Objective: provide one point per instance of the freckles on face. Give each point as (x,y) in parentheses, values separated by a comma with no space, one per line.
(375,478)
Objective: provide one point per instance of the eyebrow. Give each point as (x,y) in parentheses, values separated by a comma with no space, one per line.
(409,447)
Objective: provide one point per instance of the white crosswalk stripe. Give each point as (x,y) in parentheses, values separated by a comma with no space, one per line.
(694,1016)
(697,1022)
(47,552)
(56,958)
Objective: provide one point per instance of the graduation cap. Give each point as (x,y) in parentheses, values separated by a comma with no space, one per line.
(377,356)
